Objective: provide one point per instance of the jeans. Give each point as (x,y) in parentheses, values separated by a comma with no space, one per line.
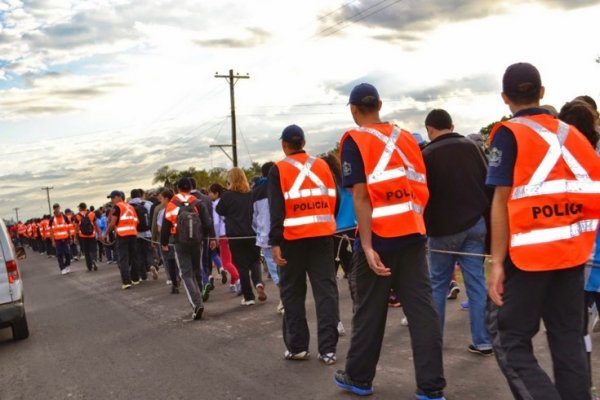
(441,267)
(62,253)
(273,270)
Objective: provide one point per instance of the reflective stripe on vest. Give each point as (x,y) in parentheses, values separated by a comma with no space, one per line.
(295,192)
(538,184)
(553,234)
(127,225)
(396,209)
(312,219)
(380,173)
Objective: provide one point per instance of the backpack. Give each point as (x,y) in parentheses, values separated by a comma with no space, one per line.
(85,225)
(143,217)
(189,225)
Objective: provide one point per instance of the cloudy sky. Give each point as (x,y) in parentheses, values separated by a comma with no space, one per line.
(98,94)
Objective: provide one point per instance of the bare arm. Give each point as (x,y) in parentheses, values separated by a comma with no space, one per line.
(500,232)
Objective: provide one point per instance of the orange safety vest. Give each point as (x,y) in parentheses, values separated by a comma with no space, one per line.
(173,208)
(59,227)
(34,230)
(70,225)
(396,179)
(44,228)
(21,229)
(128,220)
(554,204)
(92,218)
(309,192)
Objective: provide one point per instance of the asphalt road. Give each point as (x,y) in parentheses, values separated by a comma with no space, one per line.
(92,340)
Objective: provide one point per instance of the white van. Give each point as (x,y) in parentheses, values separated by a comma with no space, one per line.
(12,307)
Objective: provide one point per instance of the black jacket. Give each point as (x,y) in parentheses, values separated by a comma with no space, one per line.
(236,207)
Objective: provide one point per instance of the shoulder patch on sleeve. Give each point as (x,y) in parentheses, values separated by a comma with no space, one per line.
(495,158)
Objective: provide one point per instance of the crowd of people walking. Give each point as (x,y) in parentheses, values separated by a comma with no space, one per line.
(399,217)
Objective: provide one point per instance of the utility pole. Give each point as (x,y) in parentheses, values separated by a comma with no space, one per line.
(17,212)
(231,79)
(47,189)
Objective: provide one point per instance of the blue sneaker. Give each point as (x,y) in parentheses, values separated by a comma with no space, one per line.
(434,396)
(360,388)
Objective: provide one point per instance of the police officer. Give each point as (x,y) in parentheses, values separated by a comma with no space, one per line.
(123,220)
(59,235)
(302,198)
(384,167)
(544,217)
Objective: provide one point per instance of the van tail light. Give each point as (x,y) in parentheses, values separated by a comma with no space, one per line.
(13,271)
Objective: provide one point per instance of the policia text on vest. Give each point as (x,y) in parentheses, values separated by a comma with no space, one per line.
(556,210)
(311,205)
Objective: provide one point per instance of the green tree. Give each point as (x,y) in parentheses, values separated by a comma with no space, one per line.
(486,130)
(164,175)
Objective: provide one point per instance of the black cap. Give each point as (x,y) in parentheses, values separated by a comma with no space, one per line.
(521,80)
(292,134)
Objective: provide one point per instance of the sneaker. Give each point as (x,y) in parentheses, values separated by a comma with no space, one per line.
(154,272)
(232,289)
(135,282)
(360,388)
(205,292)
(475,350)
(75,258)
(260,289)
(211,283)
(197,314)
(223,276)
(64,271)
(404,322)
(95,267)
(299,356)
(340,329)
(432,396)
(453,291)
(328,358)
(68,269)
(126,286)
(109,262)
(280,309)
(169,282)
(238,288)
(464,306)
(248,302)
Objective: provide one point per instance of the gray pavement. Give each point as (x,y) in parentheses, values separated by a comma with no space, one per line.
(91,340)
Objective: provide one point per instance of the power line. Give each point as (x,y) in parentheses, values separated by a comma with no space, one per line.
(357,17)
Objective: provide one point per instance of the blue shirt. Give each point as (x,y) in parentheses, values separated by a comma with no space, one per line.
(353,172)
(503,152)
(346,217)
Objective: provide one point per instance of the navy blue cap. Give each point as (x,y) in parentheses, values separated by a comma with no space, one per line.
(292,134)
(521,80)
(115,193)
(364,94)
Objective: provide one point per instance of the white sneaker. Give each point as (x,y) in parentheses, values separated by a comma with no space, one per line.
(68,269)
(341,330)
(169,282)
(64,271)
(154,272)
(280,309)
(404,322)
(248,302)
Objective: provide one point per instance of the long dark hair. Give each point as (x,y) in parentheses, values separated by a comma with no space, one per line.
(581,116)
(216,188)
(335,166)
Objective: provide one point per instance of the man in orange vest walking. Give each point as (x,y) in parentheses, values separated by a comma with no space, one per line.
(302,200)
(123,220)
(544,217)
(85,234)
(59,236)
(383,166)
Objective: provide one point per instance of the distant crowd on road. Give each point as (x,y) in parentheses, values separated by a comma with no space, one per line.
(400,216)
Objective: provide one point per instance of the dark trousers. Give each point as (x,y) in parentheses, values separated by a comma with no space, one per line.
(126,252)
(143,256)
(100,250)
(556,298)
(62,253)
(312,256)
(206,263)
(410,281)
(246,257)
(188,260)
(170,264)
(49,248)
(88,248)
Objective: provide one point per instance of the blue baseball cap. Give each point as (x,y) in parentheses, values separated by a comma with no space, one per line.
(419,138)
(292,134)
(364,94)
(115,193)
